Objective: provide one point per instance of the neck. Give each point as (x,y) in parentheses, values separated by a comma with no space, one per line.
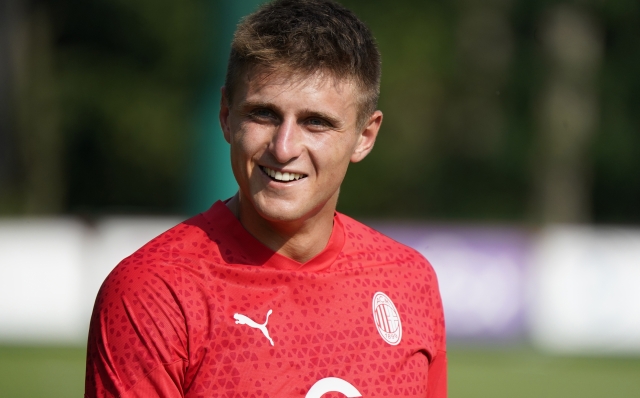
(299,240)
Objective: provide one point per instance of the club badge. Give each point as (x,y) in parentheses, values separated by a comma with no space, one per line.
(386,318)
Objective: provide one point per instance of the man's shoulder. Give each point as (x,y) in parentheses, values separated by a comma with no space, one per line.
(183,247)
(183,238)
(195,236)
(362,236)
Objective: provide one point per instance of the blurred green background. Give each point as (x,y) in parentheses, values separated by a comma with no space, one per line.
(497,111)
(520,111)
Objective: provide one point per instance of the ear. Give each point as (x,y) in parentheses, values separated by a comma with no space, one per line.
(367,137)
(224,114)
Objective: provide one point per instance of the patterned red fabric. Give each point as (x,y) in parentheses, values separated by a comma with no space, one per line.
(194,313)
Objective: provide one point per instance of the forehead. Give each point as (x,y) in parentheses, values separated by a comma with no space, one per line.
(274,81)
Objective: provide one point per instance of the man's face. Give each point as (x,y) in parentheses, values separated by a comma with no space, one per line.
(292,138)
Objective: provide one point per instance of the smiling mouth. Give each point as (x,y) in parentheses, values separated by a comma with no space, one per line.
(280,176)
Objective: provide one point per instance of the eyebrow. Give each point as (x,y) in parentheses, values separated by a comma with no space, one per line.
(256,104)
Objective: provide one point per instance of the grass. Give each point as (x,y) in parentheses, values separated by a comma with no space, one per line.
(33,372)
(525,373)
(58,372)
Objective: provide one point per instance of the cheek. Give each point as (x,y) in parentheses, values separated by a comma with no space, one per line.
(244,146)
(334,155)
(240,159)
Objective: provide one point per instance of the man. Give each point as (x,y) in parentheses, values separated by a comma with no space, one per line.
(272,293)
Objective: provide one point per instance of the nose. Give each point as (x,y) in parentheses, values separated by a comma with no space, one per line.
(286,144)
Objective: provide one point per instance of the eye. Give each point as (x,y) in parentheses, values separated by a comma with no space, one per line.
(262,114)
(317,123)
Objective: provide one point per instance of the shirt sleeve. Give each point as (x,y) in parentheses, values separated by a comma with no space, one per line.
(137,335)
(437,379)
(437,376)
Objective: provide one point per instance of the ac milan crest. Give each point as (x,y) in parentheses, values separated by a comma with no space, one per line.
(386,318)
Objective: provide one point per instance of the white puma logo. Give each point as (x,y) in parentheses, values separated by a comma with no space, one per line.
(245,320)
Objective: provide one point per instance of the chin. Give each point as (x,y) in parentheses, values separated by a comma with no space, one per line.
(280,212)
(286,210)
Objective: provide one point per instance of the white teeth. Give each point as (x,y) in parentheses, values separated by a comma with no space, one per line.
(280,176)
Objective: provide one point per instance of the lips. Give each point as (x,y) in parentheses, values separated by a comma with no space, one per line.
(282,176)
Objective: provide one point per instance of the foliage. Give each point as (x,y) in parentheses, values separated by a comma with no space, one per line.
(460,130)
(461,87)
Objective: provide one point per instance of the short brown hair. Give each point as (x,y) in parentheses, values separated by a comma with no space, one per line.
(308,36)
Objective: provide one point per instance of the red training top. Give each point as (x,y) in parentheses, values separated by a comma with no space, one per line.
(206,310)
